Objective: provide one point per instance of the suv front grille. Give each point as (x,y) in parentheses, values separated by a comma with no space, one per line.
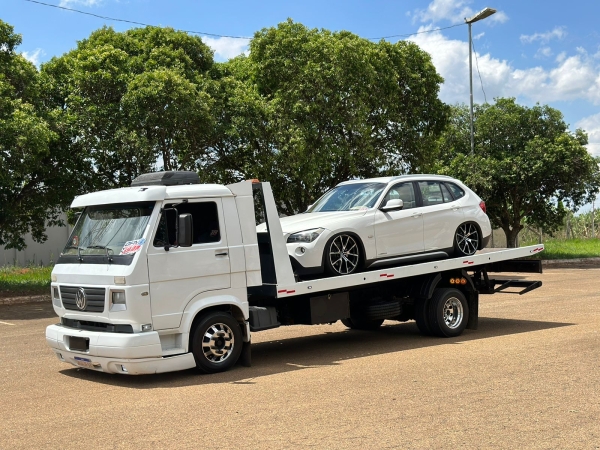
(95,298)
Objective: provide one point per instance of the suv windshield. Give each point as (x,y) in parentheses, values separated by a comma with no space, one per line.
(112,230)
(349,197)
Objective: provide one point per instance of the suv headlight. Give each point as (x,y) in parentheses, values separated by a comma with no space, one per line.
(305,236)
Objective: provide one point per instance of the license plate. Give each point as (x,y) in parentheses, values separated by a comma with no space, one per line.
(84,362)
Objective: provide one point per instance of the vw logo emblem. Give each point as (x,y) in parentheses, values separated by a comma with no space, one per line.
(81,299)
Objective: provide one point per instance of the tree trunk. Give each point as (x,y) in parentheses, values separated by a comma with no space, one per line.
(511,236)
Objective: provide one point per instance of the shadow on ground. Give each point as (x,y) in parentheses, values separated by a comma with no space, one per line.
(28,311)
(329,348)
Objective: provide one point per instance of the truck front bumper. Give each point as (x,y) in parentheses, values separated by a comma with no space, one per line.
(124,353)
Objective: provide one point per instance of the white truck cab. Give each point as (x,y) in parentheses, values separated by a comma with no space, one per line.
(167,275)
(127,292)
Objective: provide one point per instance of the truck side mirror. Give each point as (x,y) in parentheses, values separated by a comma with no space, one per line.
(393,204)
(185,228)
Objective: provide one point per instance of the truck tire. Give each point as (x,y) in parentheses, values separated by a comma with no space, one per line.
(362,324)
(385,310)
(216,342)
(422,316)
(448,312)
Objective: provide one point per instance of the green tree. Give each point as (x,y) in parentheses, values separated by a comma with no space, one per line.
(137,101)
(309,108)
(38,174)
(526,164)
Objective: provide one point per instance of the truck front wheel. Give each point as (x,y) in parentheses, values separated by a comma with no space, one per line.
(448,312)
(216,342)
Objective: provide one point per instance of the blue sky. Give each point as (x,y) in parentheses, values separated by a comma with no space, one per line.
(537,51)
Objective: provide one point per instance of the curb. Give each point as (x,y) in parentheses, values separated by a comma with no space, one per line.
(572,262)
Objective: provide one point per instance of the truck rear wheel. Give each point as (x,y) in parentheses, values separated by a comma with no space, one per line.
(448,312)
(362,324)
(422,316)
(216,342)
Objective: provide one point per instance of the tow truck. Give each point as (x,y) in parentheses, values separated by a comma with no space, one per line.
(170,274)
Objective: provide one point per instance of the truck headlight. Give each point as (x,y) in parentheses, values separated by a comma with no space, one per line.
(305,236)
(56,297)
(118,301)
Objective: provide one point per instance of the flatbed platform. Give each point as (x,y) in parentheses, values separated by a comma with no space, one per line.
(482,257)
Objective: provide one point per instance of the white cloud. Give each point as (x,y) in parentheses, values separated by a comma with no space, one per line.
(34,56)
(478,36)
(454,11)
(498,17)
(557,33)
(591,125)
(544,52)
(575,77)
(225,47)
(68,3)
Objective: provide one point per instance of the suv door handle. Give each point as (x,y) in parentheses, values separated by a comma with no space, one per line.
(415,215)
(221,253)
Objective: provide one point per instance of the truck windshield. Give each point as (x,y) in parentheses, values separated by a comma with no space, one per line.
(110,230)
(349,197)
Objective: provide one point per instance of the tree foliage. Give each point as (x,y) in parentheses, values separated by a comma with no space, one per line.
(310,108)
(305,110)
(527,166)
(137,101)
(36,176)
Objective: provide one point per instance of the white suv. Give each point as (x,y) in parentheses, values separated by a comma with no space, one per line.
(362,224)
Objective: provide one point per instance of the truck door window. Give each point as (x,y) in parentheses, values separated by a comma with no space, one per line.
(205,218)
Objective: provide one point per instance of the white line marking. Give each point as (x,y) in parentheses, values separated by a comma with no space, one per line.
(6,323)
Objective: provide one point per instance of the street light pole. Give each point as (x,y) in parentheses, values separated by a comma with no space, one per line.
(486,12)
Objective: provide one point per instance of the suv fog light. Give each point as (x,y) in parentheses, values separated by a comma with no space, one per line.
(300,251)
(123,369)
(147,327)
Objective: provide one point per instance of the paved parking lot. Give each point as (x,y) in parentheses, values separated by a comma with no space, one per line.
(528,378)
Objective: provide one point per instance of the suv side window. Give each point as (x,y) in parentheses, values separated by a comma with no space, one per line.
(403,191)
(431,193)
(446,193)
(205,219)
(457,192)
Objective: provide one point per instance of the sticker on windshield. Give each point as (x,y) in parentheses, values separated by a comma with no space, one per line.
(132,247)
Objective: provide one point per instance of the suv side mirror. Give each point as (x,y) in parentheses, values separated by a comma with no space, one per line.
(185,228)
(393,204)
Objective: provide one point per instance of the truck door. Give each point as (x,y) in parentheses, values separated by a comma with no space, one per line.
(179,274)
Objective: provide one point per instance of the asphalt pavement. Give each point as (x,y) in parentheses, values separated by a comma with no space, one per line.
(529,377)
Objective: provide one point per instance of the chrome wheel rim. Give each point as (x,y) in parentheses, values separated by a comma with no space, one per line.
(343,254)
(467,238)
(453,313)
(217,342)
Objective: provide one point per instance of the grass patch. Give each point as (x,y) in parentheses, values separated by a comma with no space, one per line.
(15,280)
(569,249)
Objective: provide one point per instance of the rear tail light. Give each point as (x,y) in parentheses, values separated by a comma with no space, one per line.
(482,206)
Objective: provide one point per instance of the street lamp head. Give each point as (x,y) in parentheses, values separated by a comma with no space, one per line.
(486,12)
